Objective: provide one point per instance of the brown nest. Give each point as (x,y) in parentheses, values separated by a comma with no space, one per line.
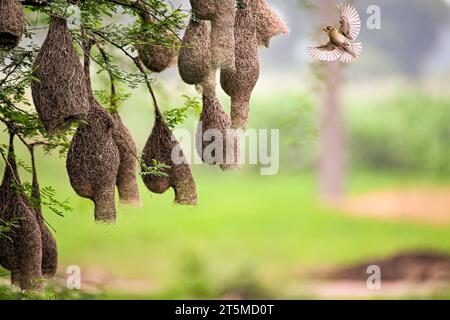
(11,23)
(222,15)
(126,176)
(268,23)
(60,95)
(155,57)
(160,146)
(21,247)
(49,247)
(93,162)
(194,60)
(216,141)
(240,83)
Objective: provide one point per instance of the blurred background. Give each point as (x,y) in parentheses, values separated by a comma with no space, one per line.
(364,178)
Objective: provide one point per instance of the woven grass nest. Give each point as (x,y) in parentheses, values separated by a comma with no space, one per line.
(160,146)
(158,58)
(93,162)
(268,23)
(12,23)
(60,95)
(240,83)
(21,248)
(214,119)
(126,176)
(222,15)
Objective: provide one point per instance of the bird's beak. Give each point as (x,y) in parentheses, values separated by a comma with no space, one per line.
(324,29)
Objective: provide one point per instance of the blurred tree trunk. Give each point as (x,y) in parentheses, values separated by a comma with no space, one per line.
(332,142)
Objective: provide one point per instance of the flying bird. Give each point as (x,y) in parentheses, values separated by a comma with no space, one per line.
(340,47)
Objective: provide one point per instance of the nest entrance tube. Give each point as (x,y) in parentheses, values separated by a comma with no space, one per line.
(12,22)
(60,95)
(21,248)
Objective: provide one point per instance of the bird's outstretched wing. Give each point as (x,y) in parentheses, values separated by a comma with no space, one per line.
(328,52)
(350,21)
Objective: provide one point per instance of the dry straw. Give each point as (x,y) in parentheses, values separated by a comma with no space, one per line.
(155,57)
(194,60)
(216,123)
(268,23)
(21,248)
(126,176)
(240,83)
(159,147)
(60,93)
(221,13)
(49,247)
(11,23)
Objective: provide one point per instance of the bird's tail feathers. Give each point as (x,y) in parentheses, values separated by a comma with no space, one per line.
(356,50)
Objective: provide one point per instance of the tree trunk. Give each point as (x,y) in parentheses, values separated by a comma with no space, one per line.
(332,128)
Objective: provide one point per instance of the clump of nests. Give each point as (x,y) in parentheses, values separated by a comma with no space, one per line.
(12,22)
(26,249)
(162,147)
(59,93)
(229,43)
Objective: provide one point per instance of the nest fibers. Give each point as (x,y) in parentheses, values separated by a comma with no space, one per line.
(240,83)
(221,13)
(216,141)
(49,247)
(268,23)
(60,94)
(21,248)
(163,147)
(11,23)
(126,176)
(194,60)
(156,57)
(93,162)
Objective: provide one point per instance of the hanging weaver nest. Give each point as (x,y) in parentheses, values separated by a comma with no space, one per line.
(268,23)
(21,247)
(93,162)
(222,15)
(155,57)
(11,23)
(215,124)
(126,176)
(49,247)
(240,83)
(60,95)
(160,146)
(194,60)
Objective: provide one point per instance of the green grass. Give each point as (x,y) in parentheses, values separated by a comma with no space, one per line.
(266,227)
